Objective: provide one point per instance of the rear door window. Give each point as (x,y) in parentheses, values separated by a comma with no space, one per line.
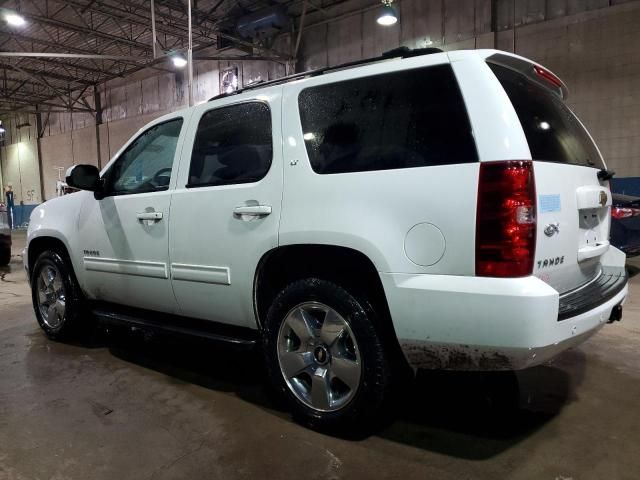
(233,144)
(411,118)
(553,132)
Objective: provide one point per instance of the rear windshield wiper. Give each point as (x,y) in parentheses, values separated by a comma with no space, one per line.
(604,174)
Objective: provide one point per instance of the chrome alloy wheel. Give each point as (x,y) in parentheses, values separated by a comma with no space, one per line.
(51,296)
(319,357)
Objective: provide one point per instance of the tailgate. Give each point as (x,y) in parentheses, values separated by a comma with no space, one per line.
(573,224)
(573,207)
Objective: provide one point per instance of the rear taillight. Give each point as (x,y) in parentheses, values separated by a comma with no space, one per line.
(506,219)
(619,212)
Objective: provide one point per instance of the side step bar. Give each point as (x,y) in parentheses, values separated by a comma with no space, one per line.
(116,315)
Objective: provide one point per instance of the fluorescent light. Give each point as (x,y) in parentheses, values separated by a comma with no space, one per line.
(179,61)
(14,19)
(387,16)
(2,130)
(544,125)
(308,136)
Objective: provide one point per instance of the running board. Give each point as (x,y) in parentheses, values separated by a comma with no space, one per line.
(117,315)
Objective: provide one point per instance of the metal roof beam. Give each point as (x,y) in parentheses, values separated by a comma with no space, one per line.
(23,82)
(238,58)
(88,31)
(200,18)
(9,110)
(36,75)
(47,104)
(43,57)
(37,78)
(127,58)
(86,56)
(135,18)
(46,43)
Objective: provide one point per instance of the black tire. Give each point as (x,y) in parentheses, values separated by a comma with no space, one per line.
(5,256)
(366,407)
(75,323)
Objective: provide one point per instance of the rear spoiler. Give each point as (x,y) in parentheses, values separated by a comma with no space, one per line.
(535,72)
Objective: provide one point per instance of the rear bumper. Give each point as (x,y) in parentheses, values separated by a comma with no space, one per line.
(607,285)
(471,323)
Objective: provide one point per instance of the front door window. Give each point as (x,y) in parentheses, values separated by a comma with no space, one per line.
(145,166)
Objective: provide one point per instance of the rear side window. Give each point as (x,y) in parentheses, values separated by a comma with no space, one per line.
(233,145)
(553,132)
(412,118)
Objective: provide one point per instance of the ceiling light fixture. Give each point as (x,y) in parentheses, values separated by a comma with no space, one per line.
(387,15)
(15,20)
(179,61)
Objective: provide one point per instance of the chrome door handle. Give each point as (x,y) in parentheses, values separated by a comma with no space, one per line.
(253,211)
(156,216)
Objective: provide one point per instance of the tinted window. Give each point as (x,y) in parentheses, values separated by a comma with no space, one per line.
(552,130)
(413,118)
(233,145)
(146,164)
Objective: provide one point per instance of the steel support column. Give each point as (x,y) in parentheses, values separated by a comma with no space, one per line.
(98,106)
(39,134)
(153,28)
(190,57)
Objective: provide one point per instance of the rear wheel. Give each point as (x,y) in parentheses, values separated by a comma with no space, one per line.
(57,299)
(324,355)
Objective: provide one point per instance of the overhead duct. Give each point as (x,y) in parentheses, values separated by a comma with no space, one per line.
(264,23)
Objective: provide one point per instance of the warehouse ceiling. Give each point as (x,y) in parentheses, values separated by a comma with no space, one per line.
(88,42)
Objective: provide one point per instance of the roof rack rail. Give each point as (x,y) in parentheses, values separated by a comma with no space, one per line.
(400,52)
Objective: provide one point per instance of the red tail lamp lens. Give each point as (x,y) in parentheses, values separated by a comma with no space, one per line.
(620,212)
(506,219)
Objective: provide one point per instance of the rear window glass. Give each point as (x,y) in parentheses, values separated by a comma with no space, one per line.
(553,132)
(406,119)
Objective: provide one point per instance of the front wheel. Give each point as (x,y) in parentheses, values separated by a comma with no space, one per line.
(324,355)
(57,299)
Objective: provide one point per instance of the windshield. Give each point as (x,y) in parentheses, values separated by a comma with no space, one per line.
(553,132)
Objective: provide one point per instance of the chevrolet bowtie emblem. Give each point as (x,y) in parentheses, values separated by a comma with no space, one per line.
(603,198)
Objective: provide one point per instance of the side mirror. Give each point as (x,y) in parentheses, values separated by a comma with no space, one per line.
(84,177)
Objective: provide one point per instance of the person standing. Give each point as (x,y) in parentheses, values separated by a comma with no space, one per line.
(10,203)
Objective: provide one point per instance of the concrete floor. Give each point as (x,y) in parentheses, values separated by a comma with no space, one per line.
(134,409)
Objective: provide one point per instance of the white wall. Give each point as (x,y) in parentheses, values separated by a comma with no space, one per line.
(20,169)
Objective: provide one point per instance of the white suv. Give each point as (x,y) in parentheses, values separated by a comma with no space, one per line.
(445,210)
